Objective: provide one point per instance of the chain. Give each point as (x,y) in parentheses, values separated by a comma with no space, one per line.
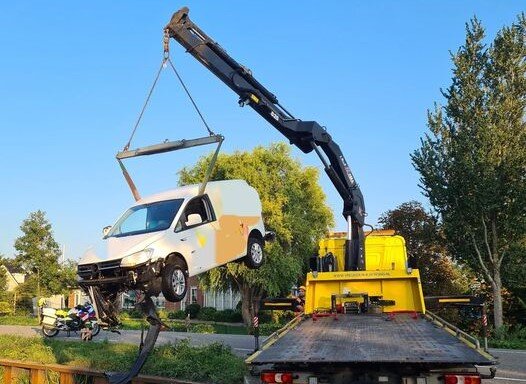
(166,59)
(166,43)
(210,132)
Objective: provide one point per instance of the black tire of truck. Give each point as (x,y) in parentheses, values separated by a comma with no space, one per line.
(174,282)
(255,255)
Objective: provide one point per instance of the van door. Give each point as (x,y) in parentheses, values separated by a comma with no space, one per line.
(195,229)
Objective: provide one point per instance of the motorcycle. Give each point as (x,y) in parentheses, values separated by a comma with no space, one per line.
(76,319)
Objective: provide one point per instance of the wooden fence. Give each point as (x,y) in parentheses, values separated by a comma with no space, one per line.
(15,372)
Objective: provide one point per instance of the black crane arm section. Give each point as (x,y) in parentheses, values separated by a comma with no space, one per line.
(306,135)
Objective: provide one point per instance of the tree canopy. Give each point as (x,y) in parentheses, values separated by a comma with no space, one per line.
(426,249)
(473,161)
(293,207)
(38,254)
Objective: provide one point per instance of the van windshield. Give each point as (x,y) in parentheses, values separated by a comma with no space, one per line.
(151,217)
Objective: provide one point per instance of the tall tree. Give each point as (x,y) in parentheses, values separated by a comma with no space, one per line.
(293,207)
(426,249)
(38,253)
(473,162)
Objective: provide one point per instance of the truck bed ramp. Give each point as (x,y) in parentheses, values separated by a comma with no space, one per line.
(369,338)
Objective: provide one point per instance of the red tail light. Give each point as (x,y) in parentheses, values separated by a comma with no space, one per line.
(278,377)
(461,379)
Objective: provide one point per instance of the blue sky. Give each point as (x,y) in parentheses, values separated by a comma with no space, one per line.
(74,75)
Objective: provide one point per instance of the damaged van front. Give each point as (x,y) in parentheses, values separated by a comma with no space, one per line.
(165,238)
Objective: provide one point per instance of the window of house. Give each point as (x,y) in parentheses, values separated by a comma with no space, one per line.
(193,295)
(160,301)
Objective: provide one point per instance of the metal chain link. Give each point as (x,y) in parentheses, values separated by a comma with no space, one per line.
(166,58)
(210,132)
(163,64)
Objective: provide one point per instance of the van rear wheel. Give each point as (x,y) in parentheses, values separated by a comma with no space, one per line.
(174,282)
(255,256)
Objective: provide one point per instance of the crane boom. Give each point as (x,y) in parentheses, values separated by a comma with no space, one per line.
(306,135)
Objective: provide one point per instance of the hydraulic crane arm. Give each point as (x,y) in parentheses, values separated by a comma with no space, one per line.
(306,135)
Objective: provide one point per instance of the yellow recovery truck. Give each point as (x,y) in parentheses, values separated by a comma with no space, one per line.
(368,326)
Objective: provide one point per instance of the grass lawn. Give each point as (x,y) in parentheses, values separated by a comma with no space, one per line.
(18,320)
(213,363)
(179,326)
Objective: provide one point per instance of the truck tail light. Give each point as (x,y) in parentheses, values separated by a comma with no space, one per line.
(276,377)
(461,379)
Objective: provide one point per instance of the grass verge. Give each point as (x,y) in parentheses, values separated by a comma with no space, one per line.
(180,326)
(213,363)
(18,320)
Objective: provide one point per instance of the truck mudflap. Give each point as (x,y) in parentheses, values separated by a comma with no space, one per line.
(370,339)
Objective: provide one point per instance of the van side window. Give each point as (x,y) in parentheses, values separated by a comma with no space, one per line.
(198,211)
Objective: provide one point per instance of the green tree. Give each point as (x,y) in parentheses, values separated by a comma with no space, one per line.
(38,253)
(426,250)
(293,207)
(3,278)
(473,162)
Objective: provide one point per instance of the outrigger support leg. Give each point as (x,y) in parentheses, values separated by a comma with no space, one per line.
(148,309)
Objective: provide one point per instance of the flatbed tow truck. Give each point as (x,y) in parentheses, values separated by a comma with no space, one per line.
(369,326)
(365,319)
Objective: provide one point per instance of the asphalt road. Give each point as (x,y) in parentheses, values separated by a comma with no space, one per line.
(511,368)
(242,345)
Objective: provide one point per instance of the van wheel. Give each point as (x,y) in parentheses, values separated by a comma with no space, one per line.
(174,282)
(255,256)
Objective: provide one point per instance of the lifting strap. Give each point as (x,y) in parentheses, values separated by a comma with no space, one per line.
(168,146)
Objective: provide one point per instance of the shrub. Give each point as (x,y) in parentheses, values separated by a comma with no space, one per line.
(228,316)
(178,327)
(509,337)
(265,317)
(192,310)
(267,329)
(179,315)
(163,314)
(202,328)
(135,313)
(283,317)
(5,308)
(207,314)
(212,363)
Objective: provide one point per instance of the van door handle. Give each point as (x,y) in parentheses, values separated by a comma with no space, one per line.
(184,239)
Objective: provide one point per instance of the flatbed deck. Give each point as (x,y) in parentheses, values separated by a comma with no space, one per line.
(368,338)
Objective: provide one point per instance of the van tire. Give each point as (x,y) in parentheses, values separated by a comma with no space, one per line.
(174,281)
(255,256)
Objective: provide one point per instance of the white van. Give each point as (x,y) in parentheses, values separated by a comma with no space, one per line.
(165,238)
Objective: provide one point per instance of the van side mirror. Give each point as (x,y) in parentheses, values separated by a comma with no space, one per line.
(193,219)
(106,230)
